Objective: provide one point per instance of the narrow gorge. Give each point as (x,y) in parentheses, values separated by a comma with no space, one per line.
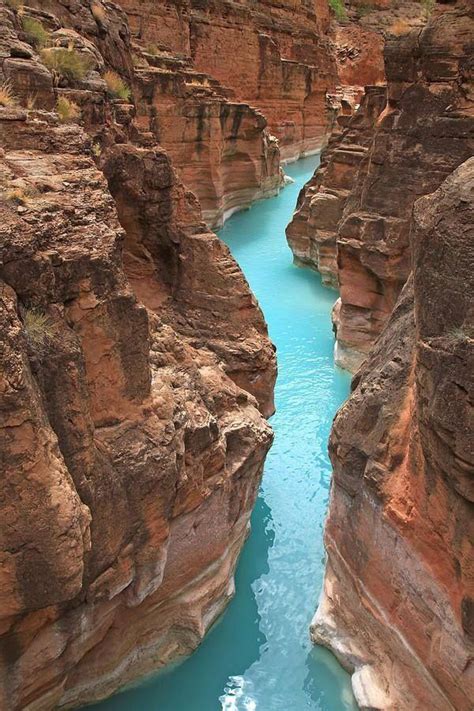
(170,509)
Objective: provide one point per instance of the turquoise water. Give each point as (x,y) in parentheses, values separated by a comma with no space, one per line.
(258,657)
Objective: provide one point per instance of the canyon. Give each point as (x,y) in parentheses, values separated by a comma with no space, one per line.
(352,221)
(137,372)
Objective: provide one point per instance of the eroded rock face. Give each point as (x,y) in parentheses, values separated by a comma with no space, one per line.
(273,55)
(220,146)
(426,132)
(397,603)
(362,199)
(312,233)
(136,371)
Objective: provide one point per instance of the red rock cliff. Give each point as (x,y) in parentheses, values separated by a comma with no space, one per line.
(274,55)
(397,606)
(425,131)
(312,233)
(135,371)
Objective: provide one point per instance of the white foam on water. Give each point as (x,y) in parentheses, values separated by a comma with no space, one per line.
(235,697)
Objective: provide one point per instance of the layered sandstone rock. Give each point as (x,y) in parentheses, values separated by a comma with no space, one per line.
(135,372)
(220,146)
(274,55)
(397,606)
(359,37)
(312,232)
(426,130)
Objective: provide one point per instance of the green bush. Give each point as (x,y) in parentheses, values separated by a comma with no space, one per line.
(35,32)
(68,63)
(67,110)
(338,8)
(116,87)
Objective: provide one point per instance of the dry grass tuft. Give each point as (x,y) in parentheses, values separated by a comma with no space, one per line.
(96,149)
(67,110)
(116,87)
(19,195)
(31,101)
(39,327)
(400,27)
(98,12)
(7,97)
(14,4)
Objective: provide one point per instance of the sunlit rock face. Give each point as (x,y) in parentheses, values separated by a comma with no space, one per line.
(272,55)
(425,132)
(135,375)
(397,602)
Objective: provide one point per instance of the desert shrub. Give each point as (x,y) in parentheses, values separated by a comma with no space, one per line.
(364,10)
(138,61)
(67,110)
(98,12)
(116,87)
(68,63)
(19,195)
(338,8)
(7,97)
(35,33)
(460,333)
(39,327)
(96,149)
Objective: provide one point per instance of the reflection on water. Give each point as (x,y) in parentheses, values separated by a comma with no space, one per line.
(258,657)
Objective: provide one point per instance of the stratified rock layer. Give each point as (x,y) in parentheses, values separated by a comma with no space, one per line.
(397,606)
(312,233)
(221,147)
(274,55)
(353,223)
(426,132)
(135,374)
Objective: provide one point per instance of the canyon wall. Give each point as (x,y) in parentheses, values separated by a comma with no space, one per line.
(136,373)
(220,145)
(312,233)
(275,56)
(397,605)
(425,131)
